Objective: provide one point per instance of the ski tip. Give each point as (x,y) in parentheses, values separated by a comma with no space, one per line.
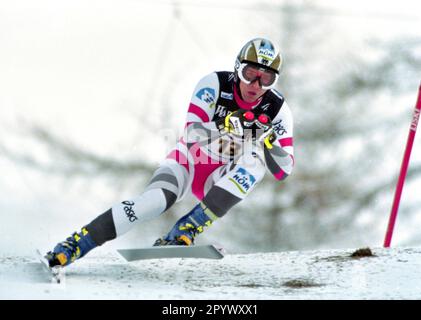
(221,250)
(57,274)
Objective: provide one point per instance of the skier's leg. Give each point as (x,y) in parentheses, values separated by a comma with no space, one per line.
(168,184)
(232,183)
(235,182)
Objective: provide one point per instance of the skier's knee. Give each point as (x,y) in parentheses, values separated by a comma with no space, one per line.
(170,198)
(171,177)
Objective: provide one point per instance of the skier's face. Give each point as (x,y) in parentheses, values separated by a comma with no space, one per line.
(251,92)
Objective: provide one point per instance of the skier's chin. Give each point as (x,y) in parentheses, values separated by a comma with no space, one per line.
(251,96)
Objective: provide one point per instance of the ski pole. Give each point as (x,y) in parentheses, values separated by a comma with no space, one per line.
(404,169)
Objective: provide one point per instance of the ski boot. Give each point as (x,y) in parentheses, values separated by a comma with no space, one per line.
(186,228)
(74,247)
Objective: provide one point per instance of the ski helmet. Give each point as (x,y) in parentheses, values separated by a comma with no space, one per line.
(261,53)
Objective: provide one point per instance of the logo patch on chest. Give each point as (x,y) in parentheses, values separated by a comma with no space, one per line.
(221,111)
(227,95)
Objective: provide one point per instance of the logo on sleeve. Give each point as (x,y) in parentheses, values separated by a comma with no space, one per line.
(279,128)
(243,180)
(206,94)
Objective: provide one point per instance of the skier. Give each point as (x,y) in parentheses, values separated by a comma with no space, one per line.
(237,126)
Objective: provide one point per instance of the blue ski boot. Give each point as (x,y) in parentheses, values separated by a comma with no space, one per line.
(186,228)
(74,247)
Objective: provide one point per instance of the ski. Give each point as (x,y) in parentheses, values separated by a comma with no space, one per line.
(163,252)
(56,273)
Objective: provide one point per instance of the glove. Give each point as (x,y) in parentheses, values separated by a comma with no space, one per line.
(237,122)
(266,134)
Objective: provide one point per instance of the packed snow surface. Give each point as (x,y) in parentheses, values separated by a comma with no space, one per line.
(330,274)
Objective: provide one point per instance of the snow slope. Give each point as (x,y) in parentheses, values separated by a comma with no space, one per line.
(332,274)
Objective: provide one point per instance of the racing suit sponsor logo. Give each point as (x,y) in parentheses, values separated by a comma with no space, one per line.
(221,111)
(128,209)
(265,107)
(206,94)
(227,95)
(243,180)
(279,128)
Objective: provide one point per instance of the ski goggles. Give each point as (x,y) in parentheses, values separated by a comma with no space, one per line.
(249,73)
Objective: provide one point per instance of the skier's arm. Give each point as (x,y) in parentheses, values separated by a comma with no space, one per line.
(199,126)
(279,156)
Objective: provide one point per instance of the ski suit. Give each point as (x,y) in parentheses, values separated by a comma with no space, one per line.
(219,169)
